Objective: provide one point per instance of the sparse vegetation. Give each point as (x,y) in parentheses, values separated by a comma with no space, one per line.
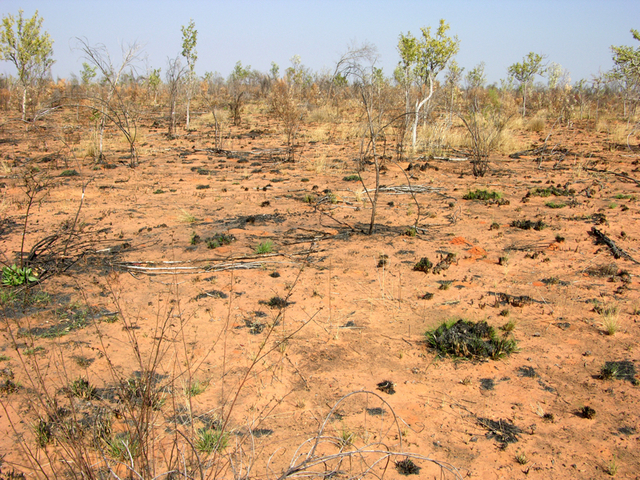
(466,339)
(264,247)
(479,194)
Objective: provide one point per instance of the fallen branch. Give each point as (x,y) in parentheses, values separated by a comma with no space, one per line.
(616,251)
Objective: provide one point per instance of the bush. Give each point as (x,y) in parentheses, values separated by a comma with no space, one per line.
(482,195)
(469,340)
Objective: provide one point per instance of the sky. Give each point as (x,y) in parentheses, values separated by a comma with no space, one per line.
(577,34)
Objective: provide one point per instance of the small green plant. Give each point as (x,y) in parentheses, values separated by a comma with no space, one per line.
(560,239)
(186,217)
(521,458)
(445,285)
(264,247)
(308,198)
(15,276)
(352,178)
(555,204)
(195,239)
(609,371)
(424,265)
(626,196)
(209,440)
(69,173)
(122,447)
(43,433)
(346,436)
(81,388)
(613,205)
(4,358)
(158,191)
(33,350)
(509,327)
(411,232)
(611,467)
(494,226)
(194,388)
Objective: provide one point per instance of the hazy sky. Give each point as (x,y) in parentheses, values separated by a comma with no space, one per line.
(577,34)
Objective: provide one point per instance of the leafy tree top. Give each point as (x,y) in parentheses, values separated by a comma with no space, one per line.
(23,43)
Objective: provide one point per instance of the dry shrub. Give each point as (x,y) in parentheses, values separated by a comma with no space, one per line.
(536,124)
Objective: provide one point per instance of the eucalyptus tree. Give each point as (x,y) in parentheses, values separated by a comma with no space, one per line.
(23,43)
(421,60)
(524,73)
(189,41)
(626,72)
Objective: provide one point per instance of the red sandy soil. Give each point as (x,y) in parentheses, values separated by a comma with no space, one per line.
(352,322)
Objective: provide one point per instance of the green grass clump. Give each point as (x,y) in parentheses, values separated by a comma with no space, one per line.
(209,440)
(479,194)
(555,205)
(69,173)
(470,340)
(264,247)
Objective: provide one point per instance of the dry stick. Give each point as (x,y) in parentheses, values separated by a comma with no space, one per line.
(75,220)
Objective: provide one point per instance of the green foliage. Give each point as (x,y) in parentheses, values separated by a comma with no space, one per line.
(627,62)
(194,388)
(15,276)
(69,173)
(189,41)
(264,247)
(210,440)
(23,44)
(87,73)
(479,194)
(81,388)
(43,433)
(424,265)
(426,57)
(122,447)
(352,178)
(475,77)
(525,72)
(469,340)
(555,205)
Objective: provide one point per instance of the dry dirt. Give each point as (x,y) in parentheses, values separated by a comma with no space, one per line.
(353,321)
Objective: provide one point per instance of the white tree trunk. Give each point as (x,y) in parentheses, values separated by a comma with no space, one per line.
(419,105)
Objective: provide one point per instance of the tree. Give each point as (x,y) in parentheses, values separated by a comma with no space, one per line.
(525,72)
(174,75)
(87,73)
(154,82)
(359,65)
(30,50)
(626,71)
(238,82)
(421,62)
(112,105)
(189,41)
